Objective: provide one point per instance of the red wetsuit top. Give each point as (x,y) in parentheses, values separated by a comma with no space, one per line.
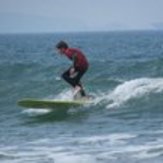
(81,62)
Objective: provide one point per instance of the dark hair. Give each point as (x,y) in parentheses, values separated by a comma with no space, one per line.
(62,44)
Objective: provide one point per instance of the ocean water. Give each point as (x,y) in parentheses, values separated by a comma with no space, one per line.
(123,125)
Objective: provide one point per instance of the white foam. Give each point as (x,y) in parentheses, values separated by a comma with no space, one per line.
(86,149)
(65,95)
(73,158)
(111,138)
(133,89)
(33,112)
(144,151)
(68,96)
(58,78)
(125,91)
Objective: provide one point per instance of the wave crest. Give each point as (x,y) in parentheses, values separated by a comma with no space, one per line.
(136,88)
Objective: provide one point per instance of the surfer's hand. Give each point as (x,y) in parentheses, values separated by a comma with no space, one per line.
(72,71)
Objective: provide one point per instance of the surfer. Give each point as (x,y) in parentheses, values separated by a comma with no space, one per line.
(79,67)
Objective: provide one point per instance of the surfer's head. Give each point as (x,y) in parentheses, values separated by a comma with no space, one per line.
(62,46)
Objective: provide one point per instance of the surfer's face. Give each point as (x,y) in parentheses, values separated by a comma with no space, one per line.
(61,50)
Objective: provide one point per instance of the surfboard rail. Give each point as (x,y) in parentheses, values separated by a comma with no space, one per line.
(39,103)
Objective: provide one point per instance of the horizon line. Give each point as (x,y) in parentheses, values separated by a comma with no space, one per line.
(81,31)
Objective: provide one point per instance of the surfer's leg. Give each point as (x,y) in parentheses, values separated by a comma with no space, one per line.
(75,81)
(82,91)
(78,83)
(76,92)
(67,78)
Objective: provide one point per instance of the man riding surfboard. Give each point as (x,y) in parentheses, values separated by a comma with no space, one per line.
(79,67)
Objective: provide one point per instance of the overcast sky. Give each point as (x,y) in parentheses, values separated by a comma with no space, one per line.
(79,15)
